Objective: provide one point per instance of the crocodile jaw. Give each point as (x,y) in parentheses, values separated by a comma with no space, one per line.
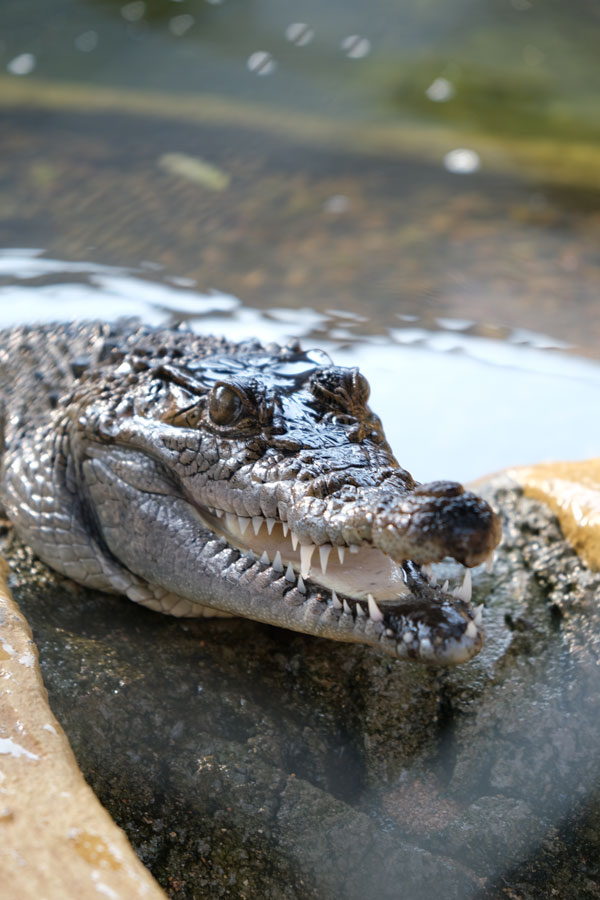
(358,591)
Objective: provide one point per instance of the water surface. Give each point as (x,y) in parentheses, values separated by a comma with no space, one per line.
(454,404)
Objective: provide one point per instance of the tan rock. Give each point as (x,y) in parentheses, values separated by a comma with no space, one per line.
(56,841)
(572,491)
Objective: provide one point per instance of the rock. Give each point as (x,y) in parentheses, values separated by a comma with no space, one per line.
(572,491)
(245,761)
(57,841)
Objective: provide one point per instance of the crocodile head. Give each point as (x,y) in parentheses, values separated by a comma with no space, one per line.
(256,481)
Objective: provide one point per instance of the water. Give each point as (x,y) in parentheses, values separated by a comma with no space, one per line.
(504,68)
(454,404)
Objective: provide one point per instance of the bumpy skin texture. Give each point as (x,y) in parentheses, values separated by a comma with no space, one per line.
(200,477)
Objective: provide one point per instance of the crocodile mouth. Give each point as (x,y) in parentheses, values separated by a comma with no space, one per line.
(350,570)
(361,582)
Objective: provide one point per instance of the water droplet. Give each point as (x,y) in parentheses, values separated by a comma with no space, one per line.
(261,63)
(22,64)
(338,203)
(178,25)
(299,33)
(134,11)
(461,161)
(440,90)
(355,46)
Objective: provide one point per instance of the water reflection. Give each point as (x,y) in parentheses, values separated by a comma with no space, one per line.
(454,404)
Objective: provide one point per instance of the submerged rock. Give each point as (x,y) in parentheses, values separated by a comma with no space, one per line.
(245,761)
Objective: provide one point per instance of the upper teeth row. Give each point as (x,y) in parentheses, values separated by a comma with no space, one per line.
(242,523)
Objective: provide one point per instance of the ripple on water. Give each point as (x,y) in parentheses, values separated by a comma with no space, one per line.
(454,404)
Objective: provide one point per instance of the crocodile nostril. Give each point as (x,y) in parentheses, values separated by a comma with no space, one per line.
(440,489)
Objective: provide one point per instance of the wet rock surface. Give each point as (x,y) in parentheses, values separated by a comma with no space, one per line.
(245,761)
(56,841)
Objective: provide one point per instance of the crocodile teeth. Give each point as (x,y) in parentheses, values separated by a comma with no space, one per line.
(265,559)
(346,607)
(257,523)
(301,585)
(374,611)
(243,523)
(219,513)
(294,539)
(270,524)
(290,575)
(359,610)
(464,591)
(335,600)
(445,586)
(479,614)
(340,553)
(285,528)
(306,552)
(471,630)
(324,551)
(231,521)
(278,562)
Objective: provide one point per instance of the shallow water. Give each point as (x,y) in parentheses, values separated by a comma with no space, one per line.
(454,404)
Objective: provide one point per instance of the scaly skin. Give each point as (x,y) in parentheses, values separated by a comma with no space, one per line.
(200,477)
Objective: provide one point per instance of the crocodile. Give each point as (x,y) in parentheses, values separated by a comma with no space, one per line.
(203,477)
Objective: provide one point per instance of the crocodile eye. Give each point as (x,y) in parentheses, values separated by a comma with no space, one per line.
(225,404)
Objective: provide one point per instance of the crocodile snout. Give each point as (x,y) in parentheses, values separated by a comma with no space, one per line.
(437,520)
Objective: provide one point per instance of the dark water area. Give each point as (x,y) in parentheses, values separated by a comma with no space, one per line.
(416,188)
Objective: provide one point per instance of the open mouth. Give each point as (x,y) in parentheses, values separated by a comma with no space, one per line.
(402,603)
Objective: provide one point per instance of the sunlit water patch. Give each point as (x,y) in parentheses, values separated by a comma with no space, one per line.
(454,405)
